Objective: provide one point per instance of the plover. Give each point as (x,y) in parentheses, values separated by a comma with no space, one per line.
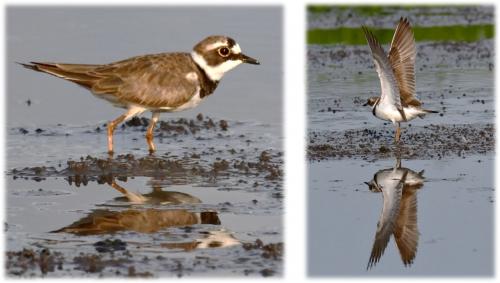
(166,82)
(399,213)
(396,71)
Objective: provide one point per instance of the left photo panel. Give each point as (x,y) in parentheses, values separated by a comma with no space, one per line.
(144,141)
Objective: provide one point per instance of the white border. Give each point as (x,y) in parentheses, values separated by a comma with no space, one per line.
(295,261)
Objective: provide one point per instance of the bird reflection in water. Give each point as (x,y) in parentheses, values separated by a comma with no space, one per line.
(399,187)
(152,220)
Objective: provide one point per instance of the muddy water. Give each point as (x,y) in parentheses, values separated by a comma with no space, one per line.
(207,203)
(437,220)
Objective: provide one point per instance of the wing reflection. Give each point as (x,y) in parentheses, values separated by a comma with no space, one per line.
(399,213)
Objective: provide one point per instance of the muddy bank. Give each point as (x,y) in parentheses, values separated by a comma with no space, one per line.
(329,59)
(325,16)
(164,128)
(427,142)
(266,166)
(254,258)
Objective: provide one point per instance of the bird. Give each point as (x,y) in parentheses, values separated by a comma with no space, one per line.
(164,82)
(399,213)
(396,71)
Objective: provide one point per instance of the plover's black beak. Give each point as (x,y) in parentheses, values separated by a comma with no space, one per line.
(366,104)
(247,59)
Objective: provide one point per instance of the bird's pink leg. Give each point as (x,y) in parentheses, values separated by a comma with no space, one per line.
(398,134)
(149,133)
(131,112)
(111,129)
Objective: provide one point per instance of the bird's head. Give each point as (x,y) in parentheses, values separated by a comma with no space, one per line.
(371,101)
(218,54)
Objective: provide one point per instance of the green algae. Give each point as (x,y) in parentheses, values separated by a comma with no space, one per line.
(355,36)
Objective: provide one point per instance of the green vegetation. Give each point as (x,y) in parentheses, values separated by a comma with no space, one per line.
(373,10)
(355,36)
(319,8)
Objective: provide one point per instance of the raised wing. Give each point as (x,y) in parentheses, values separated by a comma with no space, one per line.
(388,84)
(402,59)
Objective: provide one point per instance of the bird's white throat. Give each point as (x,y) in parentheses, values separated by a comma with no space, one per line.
(215,73)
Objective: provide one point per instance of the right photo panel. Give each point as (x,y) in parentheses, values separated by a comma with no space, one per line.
(401,140)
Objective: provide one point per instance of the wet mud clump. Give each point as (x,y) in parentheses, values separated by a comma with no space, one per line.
(109,245)
(267,165)
(269,251)
(180,126)
(433,141)
(21,262)
(255,258)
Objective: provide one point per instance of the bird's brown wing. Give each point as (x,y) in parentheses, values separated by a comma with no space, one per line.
(77,73)
(154,81)
(406,230)
(402,59)
(386,223)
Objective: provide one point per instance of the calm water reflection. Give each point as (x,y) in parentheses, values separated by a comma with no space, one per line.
(450,233)
(165,213)
(398,217)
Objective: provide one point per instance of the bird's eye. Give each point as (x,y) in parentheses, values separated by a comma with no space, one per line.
(224,51)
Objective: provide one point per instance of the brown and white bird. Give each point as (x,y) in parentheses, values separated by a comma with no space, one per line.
(396,71)
(399,187)
(166,82)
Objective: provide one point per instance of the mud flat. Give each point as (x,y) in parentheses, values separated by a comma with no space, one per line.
(210,205)
(427,142)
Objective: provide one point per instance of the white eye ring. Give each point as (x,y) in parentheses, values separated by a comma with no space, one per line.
(223,51)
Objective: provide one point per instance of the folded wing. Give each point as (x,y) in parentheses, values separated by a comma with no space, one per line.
(154,81)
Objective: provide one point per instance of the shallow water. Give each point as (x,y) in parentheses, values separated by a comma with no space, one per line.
(454,206)
(149,229)
(218,174)
(455,210)
(235,174)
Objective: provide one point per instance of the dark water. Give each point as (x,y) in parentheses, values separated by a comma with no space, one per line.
(453,206)
(213,210)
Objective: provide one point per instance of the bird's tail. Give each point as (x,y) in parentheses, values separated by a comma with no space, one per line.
(425,111)
(77,73)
